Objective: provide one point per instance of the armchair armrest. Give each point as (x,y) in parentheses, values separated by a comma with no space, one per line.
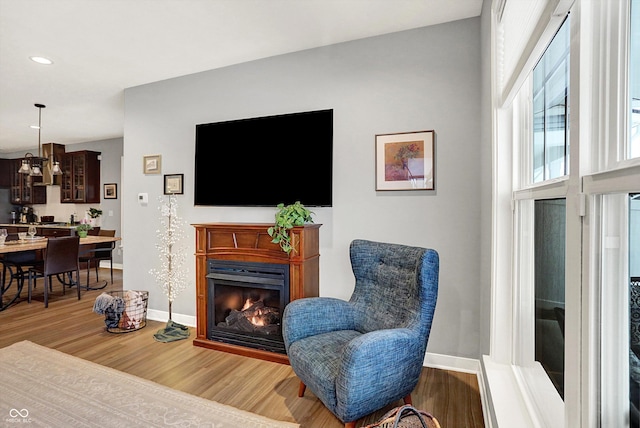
(315,315)
(386,361)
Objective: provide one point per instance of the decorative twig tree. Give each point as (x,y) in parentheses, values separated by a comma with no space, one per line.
(171,276)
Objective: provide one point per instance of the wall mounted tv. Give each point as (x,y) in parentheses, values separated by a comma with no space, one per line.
(264,161)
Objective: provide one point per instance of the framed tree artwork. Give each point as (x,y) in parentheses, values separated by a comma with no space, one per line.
(405,161)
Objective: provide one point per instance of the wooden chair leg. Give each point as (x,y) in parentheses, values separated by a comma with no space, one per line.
(350,424)
(407,400)
(301,389)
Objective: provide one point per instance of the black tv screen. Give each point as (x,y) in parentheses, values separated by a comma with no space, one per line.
(265,161)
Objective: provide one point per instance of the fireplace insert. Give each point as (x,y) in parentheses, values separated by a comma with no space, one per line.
(245,303)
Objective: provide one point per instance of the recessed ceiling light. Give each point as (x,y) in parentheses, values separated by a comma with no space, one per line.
(41,60)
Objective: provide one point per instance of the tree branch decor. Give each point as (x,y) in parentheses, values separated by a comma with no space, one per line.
(171,276)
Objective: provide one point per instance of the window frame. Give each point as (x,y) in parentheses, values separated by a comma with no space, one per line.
(598,168)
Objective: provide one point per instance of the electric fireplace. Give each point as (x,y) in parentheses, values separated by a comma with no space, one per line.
(243,283)
(246,302)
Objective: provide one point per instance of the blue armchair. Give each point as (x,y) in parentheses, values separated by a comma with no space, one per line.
(362,355)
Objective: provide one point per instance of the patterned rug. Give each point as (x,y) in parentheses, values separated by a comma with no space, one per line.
(42,387)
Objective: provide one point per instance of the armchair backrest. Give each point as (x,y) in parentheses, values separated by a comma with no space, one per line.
(396,286)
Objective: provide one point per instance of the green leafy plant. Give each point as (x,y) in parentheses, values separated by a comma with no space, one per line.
(287,217)
(84,227)
(94,212)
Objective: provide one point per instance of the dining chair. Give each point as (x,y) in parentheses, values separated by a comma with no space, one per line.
(97,252)
(15,266)
(60,257)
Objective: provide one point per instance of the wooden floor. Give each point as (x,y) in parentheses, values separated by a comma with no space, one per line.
(265,388)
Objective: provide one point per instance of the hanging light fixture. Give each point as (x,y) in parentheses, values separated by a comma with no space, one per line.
(31,164)
(56,168)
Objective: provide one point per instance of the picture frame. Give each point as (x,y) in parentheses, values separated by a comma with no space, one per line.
(110,191)
(151,164)
(405,161)
(173,184)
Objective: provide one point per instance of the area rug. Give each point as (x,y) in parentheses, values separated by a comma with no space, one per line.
(43,387)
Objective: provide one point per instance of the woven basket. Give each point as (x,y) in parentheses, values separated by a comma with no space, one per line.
(134,316)
(406,417)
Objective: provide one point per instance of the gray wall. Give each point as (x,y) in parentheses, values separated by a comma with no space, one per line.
(486,176)
(5,206)
(423,79)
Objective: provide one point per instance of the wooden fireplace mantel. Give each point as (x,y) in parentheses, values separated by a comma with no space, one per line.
(250,242)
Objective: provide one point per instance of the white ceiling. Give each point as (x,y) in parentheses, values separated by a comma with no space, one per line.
(101,47)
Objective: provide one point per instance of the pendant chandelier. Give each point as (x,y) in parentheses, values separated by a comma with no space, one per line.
(31,164)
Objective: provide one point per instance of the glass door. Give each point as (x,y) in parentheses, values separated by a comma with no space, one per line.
(79,169)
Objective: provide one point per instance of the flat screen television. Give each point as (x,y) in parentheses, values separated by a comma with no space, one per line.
(265,161)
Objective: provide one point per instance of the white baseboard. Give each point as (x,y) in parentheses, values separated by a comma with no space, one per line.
(163,316)
(448,362)
(105,264)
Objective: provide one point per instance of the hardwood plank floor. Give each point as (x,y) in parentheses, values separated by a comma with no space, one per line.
(262,387)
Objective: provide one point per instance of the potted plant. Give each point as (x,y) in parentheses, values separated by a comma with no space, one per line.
(83,228)
(94,214)
(287,217)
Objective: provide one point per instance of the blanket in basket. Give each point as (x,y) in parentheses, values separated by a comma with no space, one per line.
(125,312)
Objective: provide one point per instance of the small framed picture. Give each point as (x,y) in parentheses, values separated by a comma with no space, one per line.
(405,161)
(111,191)
(151,164)
(173,184)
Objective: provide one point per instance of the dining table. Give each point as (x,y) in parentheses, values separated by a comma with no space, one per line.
(10,290)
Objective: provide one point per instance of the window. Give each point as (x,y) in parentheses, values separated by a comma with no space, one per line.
(551,109)
(566,238)
(634,80)
(549,254)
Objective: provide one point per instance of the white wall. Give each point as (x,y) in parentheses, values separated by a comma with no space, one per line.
(423,79)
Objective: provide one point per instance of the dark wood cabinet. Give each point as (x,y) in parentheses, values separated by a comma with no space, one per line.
(80,177)
(6,169)
(43,231)
(26,189)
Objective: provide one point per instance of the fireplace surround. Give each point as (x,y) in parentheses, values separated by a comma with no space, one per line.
(240,260)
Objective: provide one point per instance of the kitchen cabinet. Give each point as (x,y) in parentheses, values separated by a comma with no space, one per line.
(6,166)
(26,189)
(80,177)
(47,231)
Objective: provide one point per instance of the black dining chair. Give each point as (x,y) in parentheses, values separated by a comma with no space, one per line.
(97,252)
(60,257)
(15,266)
